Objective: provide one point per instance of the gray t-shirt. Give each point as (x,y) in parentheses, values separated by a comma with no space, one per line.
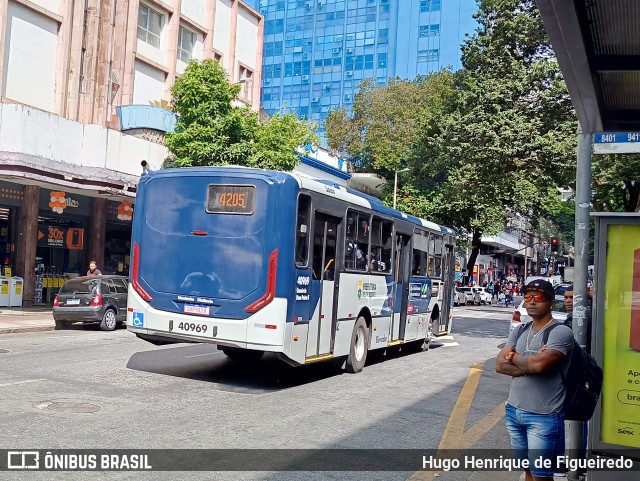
(540,393)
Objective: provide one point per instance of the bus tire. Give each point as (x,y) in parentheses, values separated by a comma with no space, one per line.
(242,354)
(359,346)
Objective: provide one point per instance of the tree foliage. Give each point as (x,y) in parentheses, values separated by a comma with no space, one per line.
(616,182)
(381,132)
(511,141)
(211,131)
(492,140)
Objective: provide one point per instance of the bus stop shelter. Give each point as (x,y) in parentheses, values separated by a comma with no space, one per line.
(597,45)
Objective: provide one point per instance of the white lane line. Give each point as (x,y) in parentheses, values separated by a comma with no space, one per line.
(205,354)
(449,344)
(21,382)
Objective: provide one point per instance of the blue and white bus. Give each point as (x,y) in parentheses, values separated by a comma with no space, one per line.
(255,260)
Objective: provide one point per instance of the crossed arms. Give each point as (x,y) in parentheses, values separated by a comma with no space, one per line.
(513,364)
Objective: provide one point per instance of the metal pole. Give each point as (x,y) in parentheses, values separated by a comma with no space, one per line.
(581,264)
(395,190)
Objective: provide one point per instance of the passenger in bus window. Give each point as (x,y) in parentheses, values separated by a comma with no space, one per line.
(361,259)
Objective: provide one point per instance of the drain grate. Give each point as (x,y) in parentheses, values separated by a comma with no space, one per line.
(68,407)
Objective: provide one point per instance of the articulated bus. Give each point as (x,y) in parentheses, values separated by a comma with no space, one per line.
(255,260)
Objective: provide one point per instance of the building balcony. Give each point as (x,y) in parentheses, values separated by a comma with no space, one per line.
(502,241)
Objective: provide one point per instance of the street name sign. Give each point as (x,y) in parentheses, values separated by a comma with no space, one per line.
(616,143)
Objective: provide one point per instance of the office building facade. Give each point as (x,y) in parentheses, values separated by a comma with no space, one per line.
(316,52)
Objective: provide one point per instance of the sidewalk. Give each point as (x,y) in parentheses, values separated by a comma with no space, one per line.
(14,320)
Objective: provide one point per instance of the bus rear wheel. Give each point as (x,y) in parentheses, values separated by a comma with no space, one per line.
(242,354)
(359,346)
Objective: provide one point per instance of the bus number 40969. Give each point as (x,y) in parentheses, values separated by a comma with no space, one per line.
(192,326)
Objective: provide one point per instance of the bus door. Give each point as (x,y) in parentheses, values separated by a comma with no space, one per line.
(444,323)
(401,289)
(321,325)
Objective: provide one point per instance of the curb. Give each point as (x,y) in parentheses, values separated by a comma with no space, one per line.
(17,330)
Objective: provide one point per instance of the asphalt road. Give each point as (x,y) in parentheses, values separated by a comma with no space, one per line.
(86,389)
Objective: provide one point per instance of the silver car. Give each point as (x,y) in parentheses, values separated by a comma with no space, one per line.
(481,295)
(464,296)
(559,313)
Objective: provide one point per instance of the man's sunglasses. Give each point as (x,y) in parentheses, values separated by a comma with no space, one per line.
(537,298)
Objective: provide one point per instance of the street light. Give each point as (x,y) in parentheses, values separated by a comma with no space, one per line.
(395,185)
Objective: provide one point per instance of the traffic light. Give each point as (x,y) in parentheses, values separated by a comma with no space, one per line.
(554,245)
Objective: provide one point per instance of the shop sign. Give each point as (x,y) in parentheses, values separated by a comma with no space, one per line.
(61,202)
(58,201)
(63,237)
(621,340)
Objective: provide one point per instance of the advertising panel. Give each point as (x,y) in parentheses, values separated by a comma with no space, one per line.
(620,416)
(71,238)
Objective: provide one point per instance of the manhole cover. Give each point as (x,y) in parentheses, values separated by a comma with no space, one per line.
(3,351)
(68,407)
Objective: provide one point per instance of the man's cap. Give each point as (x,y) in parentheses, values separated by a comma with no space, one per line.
(541,285)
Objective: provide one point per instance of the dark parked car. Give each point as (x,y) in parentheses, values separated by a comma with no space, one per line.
(100,299)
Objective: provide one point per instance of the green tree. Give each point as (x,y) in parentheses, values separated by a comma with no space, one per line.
(485,143)
(211,131)
(277,140)
(511,140)
(616,182)
(381,132)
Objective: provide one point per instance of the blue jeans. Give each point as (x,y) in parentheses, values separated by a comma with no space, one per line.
(536,436)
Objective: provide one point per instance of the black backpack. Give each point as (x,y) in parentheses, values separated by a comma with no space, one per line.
(583,381)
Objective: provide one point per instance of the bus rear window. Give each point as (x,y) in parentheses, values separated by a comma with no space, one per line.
(231,199)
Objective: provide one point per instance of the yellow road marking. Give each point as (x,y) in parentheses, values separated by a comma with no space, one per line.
(454,436)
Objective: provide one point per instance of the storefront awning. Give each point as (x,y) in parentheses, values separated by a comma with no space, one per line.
(90,181)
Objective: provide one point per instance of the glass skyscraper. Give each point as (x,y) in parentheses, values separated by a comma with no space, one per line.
(316,52)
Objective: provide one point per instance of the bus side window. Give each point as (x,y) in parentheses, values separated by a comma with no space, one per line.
(302,231)
(420,256)
(356,248)
(381,245)
(435,257)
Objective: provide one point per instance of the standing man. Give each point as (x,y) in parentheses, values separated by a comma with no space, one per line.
(93,269)
(534,416)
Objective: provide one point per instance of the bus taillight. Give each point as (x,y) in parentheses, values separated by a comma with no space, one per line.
(271,285)
(134,274)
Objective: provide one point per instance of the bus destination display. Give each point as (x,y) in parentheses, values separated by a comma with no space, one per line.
(231,199)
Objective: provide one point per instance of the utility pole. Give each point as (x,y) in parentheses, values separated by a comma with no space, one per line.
(581,264)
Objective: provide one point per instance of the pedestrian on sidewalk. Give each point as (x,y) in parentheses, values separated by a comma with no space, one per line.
(534,415)
(93,269)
